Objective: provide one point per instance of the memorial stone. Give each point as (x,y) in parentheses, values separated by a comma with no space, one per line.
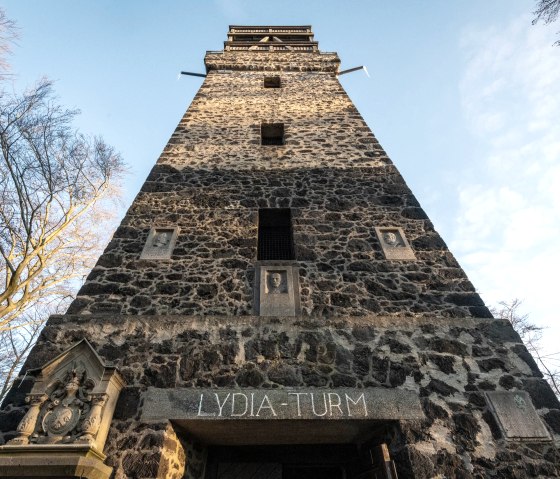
(516,415)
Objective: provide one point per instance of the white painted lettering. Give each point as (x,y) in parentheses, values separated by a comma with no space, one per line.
(200,404)
(221,406)
(257,404)
(200,413)
(313,404)
(350,400)
(262,406)
(233,413)
(297,395)
(335,405)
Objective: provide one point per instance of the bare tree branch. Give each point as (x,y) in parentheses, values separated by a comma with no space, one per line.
(56,190)
(56,186)
(55,182)
(531,335)
(15,345)
(8,36)
(547,11)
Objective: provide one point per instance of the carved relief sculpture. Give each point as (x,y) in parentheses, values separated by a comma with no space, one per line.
(516,416)
(161,239)
(71,404)
(392,240)
(27,425)
(277,290)
(70,413)
(276,282)
(160,243)
(92,422)
(394,243)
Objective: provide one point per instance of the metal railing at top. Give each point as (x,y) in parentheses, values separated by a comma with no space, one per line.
(270,30)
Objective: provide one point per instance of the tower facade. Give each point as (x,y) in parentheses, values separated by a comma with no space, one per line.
(276,304)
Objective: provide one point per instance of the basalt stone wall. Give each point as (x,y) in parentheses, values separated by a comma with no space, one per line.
(221,128)
(342,267)
(365,321)
(449,363)
(214,175)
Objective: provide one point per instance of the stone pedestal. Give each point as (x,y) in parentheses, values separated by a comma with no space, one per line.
(68,460)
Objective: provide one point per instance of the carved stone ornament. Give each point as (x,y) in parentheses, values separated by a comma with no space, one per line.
(160,242)
(394,244)
(277,290)
(70,408)
(276,282)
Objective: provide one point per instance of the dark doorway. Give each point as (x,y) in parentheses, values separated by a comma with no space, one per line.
(313,472)
(300,461)
(297,461)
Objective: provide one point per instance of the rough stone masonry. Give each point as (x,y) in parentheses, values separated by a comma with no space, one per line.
(414,327)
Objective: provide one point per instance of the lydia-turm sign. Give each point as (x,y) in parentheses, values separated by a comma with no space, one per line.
(220,404)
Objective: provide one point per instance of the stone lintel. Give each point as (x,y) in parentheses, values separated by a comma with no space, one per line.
(58,461)
(262,416)
(310,404)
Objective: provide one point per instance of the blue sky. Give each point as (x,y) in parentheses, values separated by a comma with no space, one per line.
(463,95)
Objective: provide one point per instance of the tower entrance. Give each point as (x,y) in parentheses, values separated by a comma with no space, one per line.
(300,461)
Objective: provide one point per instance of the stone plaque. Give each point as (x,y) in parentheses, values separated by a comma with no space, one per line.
(278,290)
(517,416)
(394,243)
(291,404)
(160,243)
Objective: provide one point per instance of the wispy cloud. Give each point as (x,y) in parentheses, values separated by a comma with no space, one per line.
(507,231)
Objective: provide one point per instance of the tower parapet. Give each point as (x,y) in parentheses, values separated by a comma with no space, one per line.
(250,48)
(271,39)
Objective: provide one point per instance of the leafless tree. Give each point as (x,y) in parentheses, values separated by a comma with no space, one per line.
(53,182)
(56,186)
(547,11)
(8,36)
(56,190)
(531,334)
(15,344)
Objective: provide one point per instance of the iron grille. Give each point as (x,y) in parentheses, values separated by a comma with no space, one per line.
(275,235)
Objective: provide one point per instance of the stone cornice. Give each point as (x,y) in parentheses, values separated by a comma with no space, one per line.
(300,322)
(272,61)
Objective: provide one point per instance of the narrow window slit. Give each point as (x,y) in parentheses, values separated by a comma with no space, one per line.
(275,241)
(272,133)
(272,82)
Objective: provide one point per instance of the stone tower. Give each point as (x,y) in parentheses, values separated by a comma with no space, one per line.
(276,304)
